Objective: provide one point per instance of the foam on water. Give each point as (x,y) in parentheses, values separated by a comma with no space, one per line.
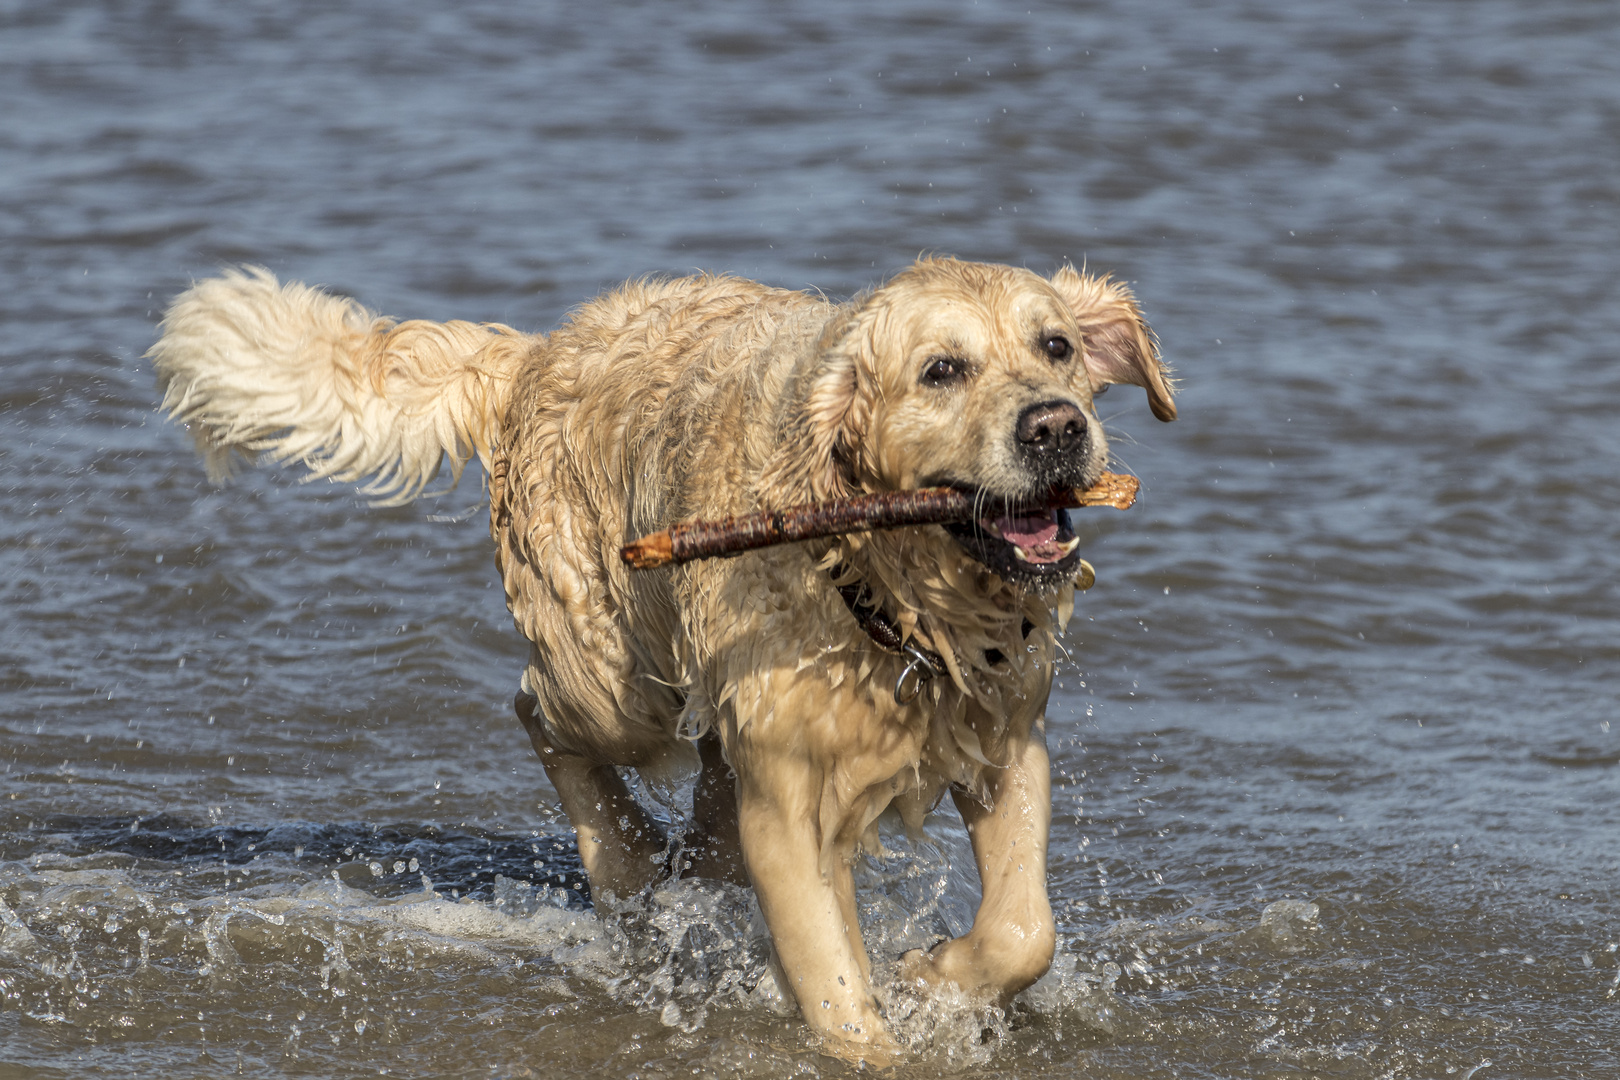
(119,947)
(302,967)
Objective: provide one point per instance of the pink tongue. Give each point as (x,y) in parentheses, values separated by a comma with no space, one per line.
(1027,532)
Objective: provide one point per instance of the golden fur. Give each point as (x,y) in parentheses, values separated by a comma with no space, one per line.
(704,397)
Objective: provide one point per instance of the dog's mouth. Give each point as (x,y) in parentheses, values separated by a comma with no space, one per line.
(1027,544)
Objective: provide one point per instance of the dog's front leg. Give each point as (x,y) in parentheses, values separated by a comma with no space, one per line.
(1013,935)
(808,906)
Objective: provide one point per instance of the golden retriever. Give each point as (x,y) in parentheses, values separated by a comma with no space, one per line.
(708,396)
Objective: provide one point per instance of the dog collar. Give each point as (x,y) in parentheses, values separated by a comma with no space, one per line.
(922,665)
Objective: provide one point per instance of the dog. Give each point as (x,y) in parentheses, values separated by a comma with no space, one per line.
(667,400)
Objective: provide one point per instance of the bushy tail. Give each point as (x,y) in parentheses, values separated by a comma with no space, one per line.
(254,367)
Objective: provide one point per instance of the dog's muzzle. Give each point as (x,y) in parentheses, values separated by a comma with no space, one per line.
(1030,546)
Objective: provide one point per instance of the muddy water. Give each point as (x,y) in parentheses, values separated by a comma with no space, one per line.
(1338,777)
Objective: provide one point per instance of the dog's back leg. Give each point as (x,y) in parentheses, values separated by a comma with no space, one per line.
(622,848)
(713,847)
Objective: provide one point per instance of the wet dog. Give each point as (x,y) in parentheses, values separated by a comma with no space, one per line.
(706,397)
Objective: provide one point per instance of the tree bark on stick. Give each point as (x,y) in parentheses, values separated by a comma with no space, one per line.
(884,510)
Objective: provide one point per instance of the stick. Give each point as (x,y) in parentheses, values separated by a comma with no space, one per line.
(886,510)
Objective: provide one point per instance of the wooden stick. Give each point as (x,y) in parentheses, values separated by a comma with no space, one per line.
(886,510)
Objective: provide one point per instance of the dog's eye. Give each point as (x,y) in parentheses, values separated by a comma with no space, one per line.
(943,370)
(1058,347)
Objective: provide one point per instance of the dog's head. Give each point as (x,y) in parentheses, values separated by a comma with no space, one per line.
(982,378)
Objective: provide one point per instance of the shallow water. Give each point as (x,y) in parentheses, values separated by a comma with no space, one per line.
(1339,788)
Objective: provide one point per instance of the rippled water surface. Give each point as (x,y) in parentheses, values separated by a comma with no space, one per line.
(1338,776)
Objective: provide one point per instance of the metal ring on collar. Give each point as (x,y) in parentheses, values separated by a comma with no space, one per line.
(919,671)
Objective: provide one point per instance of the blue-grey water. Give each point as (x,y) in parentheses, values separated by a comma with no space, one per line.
(1338,771)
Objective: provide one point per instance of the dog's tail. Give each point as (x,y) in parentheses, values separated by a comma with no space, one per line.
(254,367)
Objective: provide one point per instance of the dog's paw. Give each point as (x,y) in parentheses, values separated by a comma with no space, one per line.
(917,966)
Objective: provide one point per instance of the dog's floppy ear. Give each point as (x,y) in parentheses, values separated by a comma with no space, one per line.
(1119,347)
(817,416)
(830,410)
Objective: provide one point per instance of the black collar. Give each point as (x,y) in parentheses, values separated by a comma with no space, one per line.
(922,665)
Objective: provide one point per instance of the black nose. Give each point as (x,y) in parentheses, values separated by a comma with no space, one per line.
(1051,427)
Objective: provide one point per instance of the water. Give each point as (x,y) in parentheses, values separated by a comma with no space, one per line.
(1338,774)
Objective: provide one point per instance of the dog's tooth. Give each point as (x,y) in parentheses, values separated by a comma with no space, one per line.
(1018,551)
(1069,545)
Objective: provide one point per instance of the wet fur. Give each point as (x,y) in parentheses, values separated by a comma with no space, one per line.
(703,397)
